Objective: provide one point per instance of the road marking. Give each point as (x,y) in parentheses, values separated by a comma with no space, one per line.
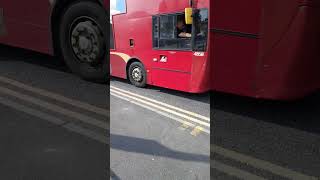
(55,108)
(232,171)
(55,96)
(162,104)
(31,111)
(196,131)
(88,133)
(54,120)
(158,112)
(260,164)
(162,108)
(183,127)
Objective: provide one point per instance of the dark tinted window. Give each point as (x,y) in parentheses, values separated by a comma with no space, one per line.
(155,30)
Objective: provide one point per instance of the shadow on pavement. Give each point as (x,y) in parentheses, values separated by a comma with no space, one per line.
(151,147)
(113,176)
(302,114)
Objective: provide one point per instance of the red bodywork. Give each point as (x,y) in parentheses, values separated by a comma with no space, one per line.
(28,24)
(275,52)
(183,70)
(258,48)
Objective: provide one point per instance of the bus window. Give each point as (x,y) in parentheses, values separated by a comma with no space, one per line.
(155,30)
(200,29)
(170,32)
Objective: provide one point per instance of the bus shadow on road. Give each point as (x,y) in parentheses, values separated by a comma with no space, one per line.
(151,147)
(301,114)
(17,54)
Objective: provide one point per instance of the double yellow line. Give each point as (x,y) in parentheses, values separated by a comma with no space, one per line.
(187,118)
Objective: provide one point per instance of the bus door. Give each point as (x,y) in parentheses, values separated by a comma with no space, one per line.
(172,51)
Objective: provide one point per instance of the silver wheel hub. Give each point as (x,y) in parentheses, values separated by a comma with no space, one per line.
(137,74)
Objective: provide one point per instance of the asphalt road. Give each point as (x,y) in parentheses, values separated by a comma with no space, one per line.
(158,133)
(53,124)
(254,139)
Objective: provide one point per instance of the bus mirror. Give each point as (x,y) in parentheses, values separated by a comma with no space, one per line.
(188,15)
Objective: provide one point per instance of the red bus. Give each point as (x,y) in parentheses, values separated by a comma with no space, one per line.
(145,46)
(258,48)
(266,49)
(74,30)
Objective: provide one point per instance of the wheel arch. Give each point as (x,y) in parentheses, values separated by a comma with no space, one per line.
(130,61)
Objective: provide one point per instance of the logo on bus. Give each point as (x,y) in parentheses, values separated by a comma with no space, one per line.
(163,58)
(199,54)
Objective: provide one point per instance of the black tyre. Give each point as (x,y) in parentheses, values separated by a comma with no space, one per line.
(137,74)
(82,39)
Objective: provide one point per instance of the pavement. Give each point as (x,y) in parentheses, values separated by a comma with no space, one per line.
(53,124)
(158,133)
(255,139)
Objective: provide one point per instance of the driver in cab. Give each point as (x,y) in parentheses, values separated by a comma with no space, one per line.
(182,30)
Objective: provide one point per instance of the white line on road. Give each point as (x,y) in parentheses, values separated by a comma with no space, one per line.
(162,108)
(31,111)
(54,120)
(55,96)
(163,104)
(232,171)
(55,108)
(159,112)
(86,132)
(260,164)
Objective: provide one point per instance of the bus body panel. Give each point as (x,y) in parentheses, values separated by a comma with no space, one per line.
(26,24)
(234,64)
(276,57)
(236,16)
(291,69)
(234,30)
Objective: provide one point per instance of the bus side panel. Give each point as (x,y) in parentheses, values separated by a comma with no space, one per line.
(30,37)
(27,24)
(234,44)
(121,32)
(200,77)
(179,82)
(291,69)
(234,64)
(118,66)
(238,16)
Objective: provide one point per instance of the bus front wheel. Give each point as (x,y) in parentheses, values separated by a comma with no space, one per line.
(137,74)
(83,40)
